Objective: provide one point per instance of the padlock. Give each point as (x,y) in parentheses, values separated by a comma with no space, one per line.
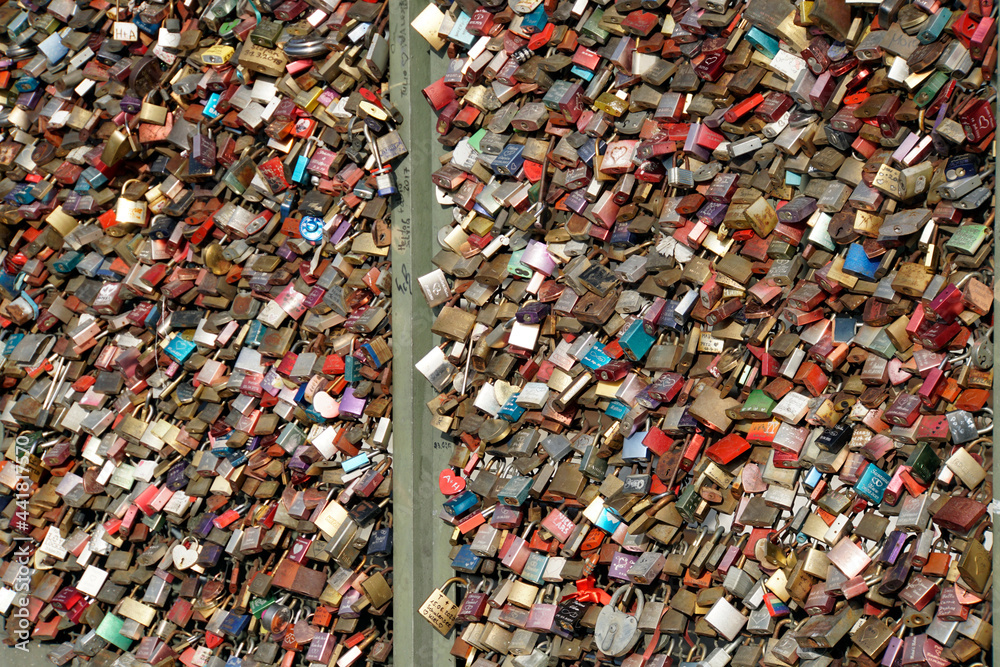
(616,631)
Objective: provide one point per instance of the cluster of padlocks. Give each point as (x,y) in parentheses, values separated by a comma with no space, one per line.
(195,338)
(716,317)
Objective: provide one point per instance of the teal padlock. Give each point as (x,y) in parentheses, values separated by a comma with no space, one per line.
(510,410)
(180,349)
(635,341)
(534,567)
(110,630)
(352,369)
(516,268)
(516,491)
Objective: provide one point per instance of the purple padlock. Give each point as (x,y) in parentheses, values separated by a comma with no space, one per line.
(691,146)
(314,297)
(351,406)
(621,563)
(577,202)
(176,480)
(506,517)
(272,382)
(205,524)
(712,213)
(687,422)
(321,647)
(209,555)
(130,104)
(893,547)
(350,597)
(532,313)
(286,252)
(303,457)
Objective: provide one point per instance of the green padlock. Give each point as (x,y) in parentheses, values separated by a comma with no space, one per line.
(924,463)
(967,239)
(688,501)
(758,406)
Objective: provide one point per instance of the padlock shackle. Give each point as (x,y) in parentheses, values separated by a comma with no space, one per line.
(454,580)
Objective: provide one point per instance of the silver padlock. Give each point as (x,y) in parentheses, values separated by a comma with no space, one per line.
(959,188)
(617,632)
(680,178)
(982,351)
(726,619)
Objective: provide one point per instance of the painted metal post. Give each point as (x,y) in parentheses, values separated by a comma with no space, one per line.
(420,559)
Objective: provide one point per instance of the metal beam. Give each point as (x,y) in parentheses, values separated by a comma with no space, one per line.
(421,556)
(996,406)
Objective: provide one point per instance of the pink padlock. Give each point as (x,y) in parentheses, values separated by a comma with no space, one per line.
(537,256)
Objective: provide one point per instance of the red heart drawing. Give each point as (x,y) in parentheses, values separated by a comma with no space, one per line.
(449,483)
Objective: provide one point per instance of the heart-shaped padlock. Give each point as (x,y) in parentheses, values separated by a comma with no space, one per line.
(617,632)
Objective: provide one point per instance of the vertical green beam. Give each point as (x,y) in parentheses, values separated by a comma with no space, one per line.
(421,555)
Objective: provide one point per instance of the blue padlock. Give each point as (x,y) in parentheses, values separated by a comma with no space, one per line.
(515,491)
(510,410)
(534,567)
(857,263)
(588,150)
(459,32)
(21,194)
(11,343)
(152,317)
(465,560)
(608,521)
(812,478)
(255,334)
(209,111)
(516,268)
(372,354)
(67,261)
(632,448)
(26,84)
(616,409)
(380,543)
(462,503)
(934,26)
(355,462)
(94,177)
(668,316)
(237,457)
(11,285)
(287,205)
(151,29)
(311,229)
(622,236)
(314,415)
(510,160)
(595,358)
(235,624)
(535,20)
(352,369)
